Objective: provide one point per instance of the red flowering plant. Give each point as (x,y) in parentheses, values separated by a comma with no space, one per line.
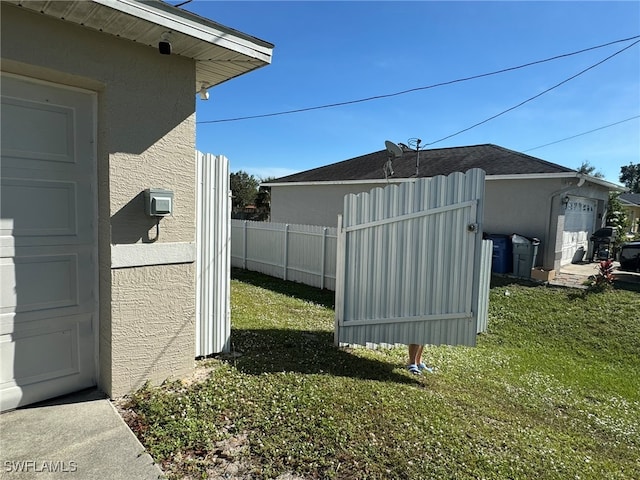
(604,278)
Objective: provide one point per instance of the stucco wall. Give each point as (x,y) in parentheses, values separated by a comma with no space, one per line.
(145,138)
(312,204)
(152,308)
(521,206)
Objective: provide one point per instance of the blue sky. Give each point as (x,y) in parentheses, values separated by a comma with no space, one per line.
(329,52)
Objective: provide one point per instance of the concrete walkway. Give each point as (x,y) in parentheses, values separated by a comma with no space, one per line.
(80,436)
(576,274)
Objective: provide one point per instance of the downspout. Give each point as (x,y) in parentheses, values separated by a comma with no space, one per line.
(581,181)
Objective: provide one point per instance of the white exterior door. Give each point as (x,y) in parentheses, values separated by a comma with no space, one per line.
(48,268)
(579,221)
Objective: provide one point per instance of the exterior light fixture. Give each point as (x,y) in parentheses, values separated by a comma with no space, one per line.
(204,93)
(164,45)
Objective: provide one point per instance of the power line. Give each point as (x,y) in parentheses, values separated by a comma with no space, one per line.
(403,92)
(583,133)
(535,96)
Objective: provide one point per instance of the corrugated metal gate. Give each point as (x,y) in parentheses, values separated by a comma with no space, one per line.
(411,262)
(213,238)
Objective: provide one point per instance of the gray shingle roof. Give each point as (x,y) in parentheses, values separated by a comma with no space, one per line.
(493,159)
(632,198)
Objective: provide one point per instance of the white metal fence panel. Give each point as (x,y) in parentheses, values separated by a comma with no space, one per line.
(300,253)
(213,318)
(409,262)
(485,285)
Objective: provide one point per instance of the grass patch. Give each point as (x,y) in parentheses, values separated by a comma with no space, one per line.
(552,391)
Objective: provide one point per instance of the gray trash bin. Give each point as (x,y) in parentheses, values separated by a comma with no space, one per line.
(525,250)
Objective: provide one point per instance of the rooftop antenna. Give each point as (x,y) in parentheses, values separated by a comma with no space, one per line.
(394,151)
(415,143)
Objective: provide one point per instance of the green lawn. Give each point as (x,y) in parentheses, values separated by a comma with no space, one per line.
(552,391)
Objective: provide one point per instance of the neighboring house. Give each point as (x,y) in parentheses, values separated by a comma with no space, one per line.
(92,115)
(631,203)
(524,194)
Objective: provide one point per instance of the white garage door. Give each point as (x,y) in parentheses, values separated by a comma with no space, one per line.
(48,281)
(579,220)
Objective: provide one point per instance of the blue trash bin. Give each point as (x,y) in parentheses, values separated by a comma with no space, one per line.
(502,258)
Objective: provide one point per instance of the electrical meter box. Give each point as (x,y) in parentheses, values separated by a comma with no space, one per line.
(158,202)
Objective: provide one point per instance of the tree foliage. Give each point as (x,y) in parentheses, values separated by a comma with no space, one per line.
(589,169)
(630,177)
(617,217)
(244,188)
(263,201)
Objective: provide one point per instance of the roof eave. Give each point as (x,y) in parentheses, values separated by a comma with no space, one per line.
(535,176)
(208,43)
(525,176)
(337,182)
(257,53)
(219,35)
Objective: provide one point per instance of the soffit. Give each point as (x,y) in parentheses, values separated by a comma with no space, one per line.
(221,53)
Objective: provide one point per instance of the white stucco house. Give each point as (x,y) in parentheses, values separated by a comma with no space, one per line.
(524,194)
(94,112)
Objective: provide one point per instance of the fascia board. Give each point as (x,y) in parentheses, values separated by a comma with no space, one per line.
(604,183)
(337,182)
(531,176)
(402,180)
(539,176)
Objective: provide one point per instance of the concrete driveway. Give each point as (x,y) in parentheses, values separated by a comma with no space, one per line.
(576,274)
(80,436)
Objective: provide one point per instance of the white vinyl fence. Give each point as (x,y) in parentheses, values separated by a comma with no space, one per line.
(300,253)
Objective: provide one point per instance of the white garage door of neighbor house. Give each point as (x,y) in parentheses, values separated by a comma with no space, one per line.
(48,270)
(579,219)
